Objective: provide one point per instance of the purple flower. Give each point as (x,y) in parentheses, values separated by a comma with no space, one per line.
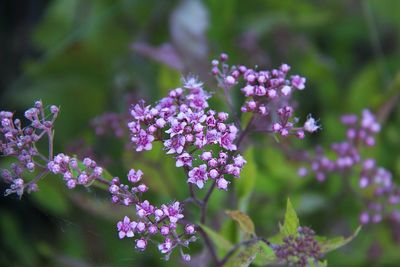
(311,125)
(213,173)
(298,82)
(222,184)
(198,175)
(141,244)
(190,229)
(141,112)
(135,176)
(185,159)
(166,246)
(186,257)
(239,161)
(164,230)
(143,141)
(152,229)
(144,209)
(227,141)
(286,90)
(176,127)
(126,228)
(71,183)
(140,227)
(158,213)
(175,144)
(368,121)
(173,211)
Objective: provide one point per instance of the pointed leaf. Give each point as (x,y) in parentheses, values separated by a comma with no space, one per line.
(219,241)
(291,221)
(245,223)
(337,242)
(245,256)
(265,256)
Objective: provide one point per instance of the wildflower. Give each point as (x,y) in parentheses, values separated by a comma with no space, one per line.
(311,125)
(135,176)
(198,175)
(126,228)
(173,211)
(141,244)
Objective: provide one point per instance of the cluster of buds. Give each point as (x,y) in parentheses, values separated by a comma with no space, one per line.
(189,130)
(372,178)
(299,250)
(20,142)
(75,172)
(153,222)
(124,194)
(268,94)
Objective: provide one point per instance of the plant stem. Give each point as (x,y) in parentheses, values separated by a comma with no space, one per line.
(51,137)
(204,203)
(37,178)
(209,246)
(244,132)
(238,245)
(102,181)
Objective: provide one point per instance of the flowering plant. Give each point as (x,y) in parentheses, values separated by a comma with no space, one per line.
(208,146)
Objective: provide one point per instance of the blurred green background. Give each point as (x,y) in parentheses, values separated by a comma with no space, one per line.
(94,56)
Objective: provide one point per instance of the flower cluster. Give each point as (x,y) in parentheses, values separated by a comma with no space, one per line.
(163,221)
(203,142)
(20,143)
(75,172)
(360,134)
(124,194)
(189,130)
(299,250)
(268,94)
(151,221)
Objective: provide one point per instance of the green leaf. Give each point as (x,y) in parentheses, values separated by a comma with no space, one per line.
(245,256)
(328,245)
(50,198)
(245,185)
(265,256)
(245,222)
(219,241)
(291,221)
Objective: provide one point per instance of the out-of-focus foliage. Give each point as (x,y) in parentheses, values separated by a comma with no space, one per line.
(100,55)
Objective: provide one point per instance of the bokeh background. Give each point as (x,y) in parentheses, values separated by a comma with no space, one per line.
(97,56)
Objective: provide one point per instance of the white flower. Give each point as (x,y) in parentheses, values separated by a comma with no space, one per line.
(311,125)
